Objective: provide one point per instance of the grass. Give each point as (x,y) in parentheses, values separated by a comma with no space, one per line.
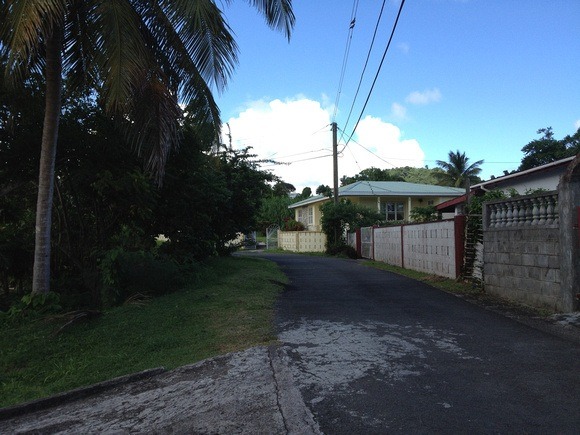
(228,309)
(466,290)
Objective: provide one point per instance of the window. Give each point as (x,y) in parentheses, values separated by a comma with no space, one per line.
(394,211)
(306,215)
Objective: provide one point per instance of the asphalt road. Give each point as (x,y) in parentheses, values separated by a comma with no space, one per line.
(375,352)
(361,351)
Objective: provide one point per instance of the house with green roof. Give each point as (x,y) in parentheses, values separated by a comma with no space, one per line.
(393,199)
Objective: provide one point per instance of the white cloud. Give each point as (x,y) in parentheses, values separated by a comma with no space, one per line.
(577,124)
(426,97)
(398,111)
(385,140)
(297,132)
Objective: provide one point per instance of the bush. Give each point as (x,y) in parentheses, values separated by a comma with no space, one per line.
(424,214)
(337,218)
(32,305)
(345,251)
(292,225)
(125,274)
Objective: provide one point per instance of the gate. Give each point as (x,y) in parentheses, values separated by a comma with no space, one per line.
(366,236)
(272,236)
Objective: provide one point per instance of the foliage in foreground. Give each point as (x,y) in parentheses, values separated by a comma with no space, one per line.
(227,308)
(108,211)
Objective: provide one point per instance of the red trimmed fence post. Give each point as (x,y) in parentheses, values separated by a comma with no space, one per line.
(459,225)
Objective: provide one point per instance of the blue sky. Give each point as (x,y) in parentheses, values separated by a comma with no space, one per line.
(471,75)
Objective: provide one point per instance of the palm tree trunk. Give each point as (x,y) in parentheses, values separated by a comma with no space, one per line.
(41,271)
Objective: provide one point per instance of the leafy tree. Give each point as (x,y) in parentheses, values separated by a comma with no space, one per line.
(371,174)
(406,173)
(458,171)
(324,190)
(141,56)
(274,210)
(282,188)
(337,218)
(416,175)
(306,193)
(248,185)
(547,149)
(193,197)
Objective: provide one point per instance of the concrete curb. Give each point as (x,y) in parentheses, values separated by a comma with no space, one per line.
(76,394)
(297,417)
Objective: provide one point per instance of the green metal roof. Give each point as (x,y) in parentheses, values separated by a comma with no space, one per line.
(387,188)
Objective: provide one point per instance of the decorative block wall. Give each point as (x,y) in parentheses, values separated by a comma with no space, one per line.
(302,241)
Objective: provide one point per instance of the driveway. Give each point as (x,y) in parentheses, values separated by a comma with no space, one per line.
(375,352)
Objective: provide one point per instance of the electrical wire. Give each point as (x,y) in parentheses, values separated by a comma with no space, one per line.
(365,66)
(345,57)
(299,154)
(378,71)
(297,161)
(373,153)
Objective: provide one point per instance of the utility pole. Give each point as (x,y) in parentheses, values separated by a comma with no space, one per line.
(335,162)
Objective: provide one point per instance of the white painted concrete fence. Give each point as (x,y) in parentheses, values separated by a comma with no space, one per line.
(433,247)
(302,241)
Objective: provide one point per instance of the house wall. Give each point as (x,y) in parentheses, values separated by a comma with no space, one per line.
(302,214)
(315,225)
(547,179)
(371,202)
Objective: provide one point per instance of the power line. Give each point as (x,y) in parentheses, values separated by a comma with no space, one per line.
(345,58)
(360,170)
(378,70)
(298,154)
(297,161)
(374,154)
(365,66)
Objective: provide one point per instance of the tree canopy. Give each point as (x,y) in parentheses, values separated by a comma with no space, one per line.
(406,173)
(547,149)
(142,58)
(108,211)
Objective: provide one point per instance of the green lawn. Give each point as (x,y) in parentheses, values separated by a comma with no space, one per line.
(230,308)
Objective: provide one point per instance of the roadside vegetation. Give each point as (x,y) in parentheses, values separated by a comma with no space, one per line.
(227,307)
(465,289)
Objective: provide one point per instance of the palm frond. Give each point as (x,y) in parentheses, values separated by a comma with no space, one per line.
(278,14)
(25,24)
(79,45)
(203,34)
(154,124)
(120,52)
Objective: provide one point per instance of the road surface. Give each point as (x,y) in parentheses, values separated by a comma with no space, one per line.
(375,352)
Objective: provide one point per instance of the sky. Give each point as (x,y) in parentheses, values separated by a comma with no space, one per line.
(476,76)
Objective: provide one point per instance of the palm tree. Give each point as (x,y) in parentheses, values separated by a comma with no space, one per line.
(143,57)
(457,171)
